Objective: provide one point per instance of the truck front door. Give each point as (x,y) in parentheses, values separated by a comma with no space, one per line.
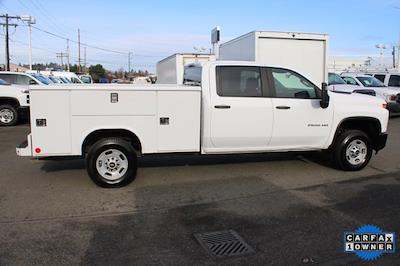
(299,120)
(241,117)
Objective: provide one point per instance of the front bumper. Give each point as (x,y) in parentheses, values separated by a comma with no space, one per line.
(25,148)
(380,142)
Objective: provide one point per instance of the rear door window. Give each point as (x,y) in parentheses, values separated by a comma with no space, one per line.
(394,80)
(380,77)
(239,81)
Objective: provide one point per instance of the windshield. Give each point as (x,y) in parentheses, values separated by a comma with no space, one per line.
(334,79)
(75,80)
(2,82)
(54,79)
(86,79)
(64,80)
(370,82)
(42,79)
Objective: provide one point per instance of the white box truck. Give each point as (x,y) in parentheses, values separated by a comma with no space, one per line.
(305,53)
(171,69)
(236,107)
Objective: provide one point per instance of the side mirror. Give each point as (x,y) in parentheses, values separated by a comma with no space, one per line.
(325,96)
(32,82)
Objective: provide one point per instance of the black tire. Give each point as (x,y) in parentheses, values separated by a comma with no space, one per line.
(342,143)
(13,111)
(102,147)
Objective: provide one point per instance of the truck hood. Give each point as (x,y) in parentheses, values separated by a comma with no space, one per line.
(385,93)
(356,99)
(343,88)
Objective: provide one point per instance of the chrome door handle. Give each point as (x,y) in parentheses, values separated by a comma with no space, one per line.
(283,107)
(222,106)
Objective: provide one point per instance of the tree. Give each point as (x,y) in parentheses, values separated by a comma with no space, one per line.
(73,68)
(97,72)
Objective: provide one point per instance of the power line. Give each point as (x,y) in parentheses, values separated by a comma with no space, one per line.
(95,47)
(31,9)
(89,60)
(85,44)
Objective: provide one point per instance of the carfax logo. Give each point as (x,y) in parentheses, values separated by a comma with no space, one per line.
(369,242)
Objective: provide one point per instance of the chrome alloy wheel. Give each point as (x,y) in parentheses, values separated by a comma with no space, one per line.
(356,152)
(112,165)
(6,116)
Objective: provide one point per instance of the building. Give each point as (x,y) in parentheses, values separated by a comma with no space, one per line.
(14,68)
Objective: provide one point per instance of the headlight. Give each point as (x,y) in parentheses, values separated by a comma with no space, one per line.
(390,98)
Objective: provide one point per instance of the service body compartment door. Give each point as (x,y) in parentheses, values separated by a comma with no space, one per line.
(50,122)
(241,117)
(179,121)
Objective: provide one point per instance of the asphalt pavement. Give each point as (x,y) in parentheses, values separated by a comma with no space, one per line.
(292,209)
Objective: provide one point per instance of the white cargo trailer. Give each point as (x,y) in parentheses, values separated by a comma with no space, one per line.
(171,69)
(306,53)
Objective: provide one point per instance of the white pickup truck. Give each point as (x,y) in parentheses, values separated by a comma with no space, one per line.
(14,103)
(231,107)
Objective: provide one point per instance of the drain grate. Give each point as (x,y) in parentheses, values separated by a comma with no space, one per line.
(223,244)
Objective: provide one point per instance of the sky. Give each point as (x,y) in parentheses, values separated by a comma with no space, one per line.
(152,30)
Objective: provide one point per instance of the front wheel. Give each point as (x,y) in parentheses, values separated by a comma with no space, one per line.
(111,163)
(8,115)
(352,150)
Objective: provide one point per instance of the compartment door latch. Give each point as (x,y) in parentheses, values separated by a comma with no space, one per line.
(164,120)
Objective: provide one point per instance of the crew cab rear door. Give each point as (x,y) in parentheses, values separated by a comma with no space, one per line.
(241,115)
(299,120)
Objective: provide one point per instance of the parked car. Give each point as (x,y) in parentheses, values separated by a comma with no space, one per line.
(337,84)
(389,79)
(55,80)
(103,80)
(86,79)
(390,94)
(67,77)
(240,107)
(20,78)
(116,81)
(14,103)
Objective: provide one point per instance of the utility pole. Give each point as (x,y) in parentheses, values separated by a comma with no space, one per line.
(68,55)
(29,21)
(30,45)
(6,24)
(84,59)
(398,55)
(61,56)
(7,62)
(129,62)
(79,51)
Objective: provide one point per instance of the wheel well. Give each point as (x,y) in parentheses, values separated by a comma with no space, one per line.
(370,126)
(107,133)
(8,100)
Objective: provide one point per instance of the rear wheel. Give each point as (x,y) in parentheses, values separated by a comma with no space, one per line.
(352,150)
(8,115)
(112,162)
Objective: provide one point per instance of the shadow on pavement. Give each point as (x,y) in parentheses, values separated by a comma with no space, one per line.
(179,160)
